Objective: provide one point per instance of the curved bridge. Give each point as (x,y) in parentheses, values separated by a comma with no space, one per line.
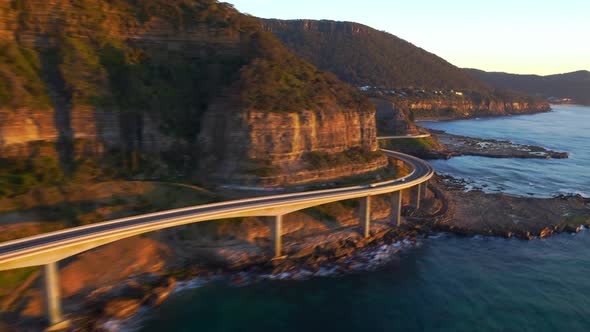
(48,249)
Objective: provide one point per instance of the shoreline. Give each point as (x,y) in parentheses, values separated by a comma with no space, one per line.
(131,300)
(447,209)
(339,258)
(484,115)
(458,145)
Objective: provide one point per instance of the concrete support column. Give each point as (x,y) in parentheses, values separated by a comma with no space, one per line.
(52,295)
(395,216)
(276,232)
(365,216)
(423,189)
(415,196)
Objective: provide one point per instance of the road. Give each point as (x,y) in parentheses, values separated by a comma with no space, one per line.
(51,247)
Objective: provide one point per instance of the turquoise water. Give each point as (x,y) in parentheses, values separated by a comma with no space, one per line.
(445,283)
(566,128)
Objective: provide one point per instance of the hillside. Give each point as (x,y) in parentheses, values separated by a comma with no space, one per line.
(160,88)
(364,56)
(387,66)
(574,85)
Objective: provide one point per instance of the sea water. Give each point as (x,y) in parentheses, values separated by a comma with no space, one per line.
(566,128)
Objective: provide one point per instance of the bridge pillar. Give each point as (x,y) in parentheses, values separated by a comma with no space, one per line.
(52,298)
(415,196)
(276,232)
(423,189)
(365,216)
(396,208)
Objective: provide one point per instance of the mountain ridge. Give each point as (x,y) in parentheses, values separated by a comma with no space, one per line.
(410,77)
(336,36)
(556,87)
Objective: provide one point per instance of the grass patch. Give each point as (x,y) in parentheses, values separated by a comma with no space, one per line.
(410,145)
(319,160)
(320,212)
(11,279)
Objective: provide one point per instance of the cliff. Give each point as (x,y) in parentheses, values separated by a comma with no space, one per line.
(436,104)
(156,84)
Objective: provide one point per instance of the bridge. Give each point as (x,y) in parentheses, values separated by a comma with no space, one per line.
(48,249)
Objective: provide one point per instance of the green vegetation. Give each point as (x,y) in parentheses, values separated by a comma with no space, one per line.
(363,56)
(369,57)
(411,145)
(18,176)
(20,83)
(320,212)
(319,160)
(9,280)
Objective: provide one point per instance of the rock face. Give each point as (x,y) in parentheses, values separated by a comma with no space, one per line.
(96,77)
(273,146)
(393,120)
(457,107)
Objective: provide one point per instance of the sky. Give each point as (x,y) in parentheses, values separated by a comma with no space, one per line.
(516,36)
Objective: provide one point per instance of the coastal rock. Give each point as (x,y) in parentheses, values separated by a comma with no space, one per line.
(573,228)
(271,149)
(457,145)
(160,294)
(546,232)
(122,308)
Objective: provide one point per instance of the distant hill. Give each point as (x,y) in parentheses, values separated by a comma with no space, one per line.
(364,56)
(410,77)
(574,85)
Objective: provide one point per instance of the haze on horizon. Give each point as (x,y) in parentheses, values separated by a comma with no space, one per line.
(525,37)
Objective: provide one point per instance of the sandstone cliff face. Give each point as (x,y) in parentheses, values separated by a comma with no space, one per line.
(275,144)
(75,47)
(392,120)
(460,107)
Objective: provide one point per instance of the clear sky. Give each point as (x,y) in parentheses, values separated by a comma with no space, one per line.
(517,36)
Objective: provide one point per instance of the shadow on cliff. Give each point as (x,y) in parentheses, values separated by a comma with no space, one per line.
(60,98)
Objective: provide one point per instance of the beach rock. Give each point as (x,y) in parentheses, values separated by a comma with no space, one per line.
(546,232)
(161,293)
(572,228)
(122,308)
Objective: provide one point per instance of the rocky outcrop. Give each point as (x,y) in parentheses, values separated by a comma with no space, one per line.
(465,106)
(151,79)
(271,148)
(393,120)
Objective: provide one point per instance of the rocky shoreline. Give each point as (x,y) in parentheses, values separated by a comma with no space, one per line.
(457,145)
(449,209)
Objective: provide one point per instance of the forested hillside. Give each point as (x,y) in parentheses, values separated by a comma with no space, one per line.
(364,56)
(556,88)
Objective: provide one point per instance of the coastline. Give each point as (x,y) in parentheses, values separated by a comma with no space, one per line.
(484,115)
(458,145)
(343,255)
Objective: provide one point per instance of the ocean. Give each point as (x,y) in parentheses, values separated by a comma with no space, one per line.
(566,128)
